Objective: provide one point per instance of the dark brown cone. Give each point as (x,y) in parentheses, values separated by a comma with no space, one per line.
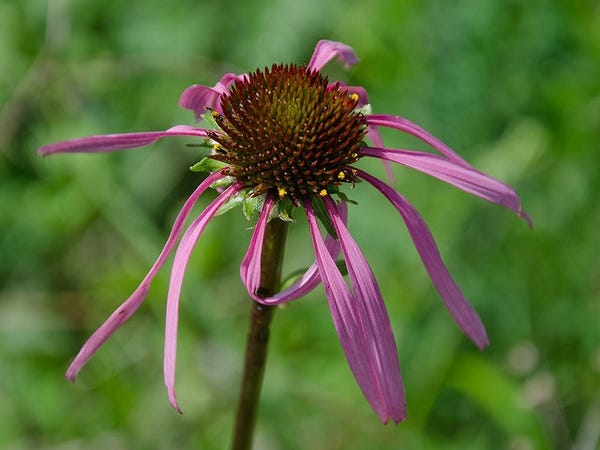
(286,130)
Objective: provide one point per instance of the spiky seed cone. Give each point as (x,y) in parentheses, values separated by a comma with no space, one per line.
(285,130)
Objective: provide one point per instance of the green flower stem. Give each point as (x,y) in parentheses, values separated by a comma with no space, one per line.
(258,336)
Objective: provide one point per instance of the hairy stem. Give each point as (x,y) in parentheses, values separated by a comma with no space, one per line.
(258,336)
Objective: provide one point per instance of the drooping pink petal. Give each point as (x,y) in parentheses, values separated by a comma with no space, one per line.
(462,312)
(182,255)
(402,124)
(348,319)
(117,318)
(250,268)
(307,282)
(345,318)
(375,321)
(112,324)
(465,178)
(326,50)
(112,142)
(198,97)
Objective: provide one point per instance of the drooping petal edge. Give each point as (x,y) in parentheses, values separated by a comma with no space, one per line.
(112,142)
(182,255)
(376,326)
(121,314)
(466,178)
(199,98)
(402,124)
(348,321)
(250,268)
(462,312)
(326,50)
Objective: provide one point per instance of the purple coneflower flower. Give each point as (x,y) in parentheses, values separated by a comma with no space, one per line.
(285,137)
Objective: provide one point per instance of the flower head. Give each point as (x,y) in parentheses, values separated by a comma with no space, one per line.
(288,137)
(286,130)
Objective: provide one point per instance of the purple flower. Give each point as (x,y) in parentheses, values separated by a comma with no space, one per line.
(285,138)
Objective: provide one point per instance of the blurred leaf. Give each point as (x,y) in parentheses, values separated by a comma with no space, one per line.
(499,397)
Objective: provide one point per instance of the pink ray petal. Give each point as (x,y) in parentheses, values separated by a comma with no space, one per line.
(112,142)
(360,352)
(465,178)
(402,124)
(198,97)
(250,268)
(106,330)
(326,50)
(462,312)
(182,255)
(117,318)
(376,323)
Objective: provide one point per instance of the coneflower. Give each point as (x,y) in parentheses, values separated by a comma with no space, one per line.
(284,138)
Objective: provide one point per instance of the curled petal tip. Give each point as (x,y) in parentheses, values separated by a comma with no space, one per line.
(326,50)
(523,215)
(395,420)
(173,402)
(483,343)
(396,416)
(71,374)
(198,97)
(473,327)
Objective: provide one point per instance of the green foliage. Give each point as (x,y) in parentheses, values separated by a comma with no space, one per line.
(513,86)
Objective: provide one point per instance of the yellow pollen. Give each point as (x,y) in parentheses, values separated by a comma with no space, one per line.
(341,175)
(214,114)
(354,96)
(281,191)
(354,155)
(216,147)
(323,192)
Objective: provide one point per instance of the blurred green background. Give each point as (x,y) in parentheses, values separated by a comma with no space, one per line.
(513,86)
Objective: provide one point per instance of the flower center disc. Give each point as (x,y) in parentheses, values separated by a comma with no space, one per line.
(286,130)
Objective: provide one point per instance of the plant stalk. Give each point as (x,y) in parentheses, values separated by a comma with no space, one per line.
(258,336)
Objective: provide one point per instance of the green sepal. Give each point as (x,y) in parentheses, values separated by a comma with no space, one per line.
(332,189)
(205,144)
(321,212)
(252,206)
(283,210)
(345,198)
(223,182)
(208,165)
(232,202)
